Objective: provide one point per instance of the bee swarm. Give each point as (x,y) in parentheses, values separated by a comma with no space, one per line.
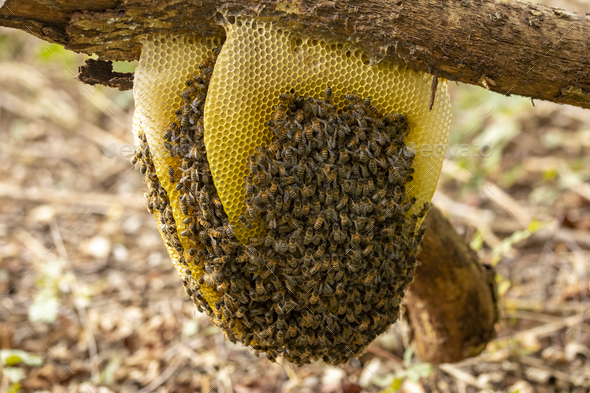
(330,191)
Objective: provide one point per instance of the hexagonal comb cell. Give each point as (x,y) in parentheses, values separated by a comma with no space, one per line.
(259,61)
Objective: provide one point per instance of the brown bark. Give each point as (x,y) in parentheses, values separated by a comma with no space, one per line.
(451,305)
(515,47)
(101,72)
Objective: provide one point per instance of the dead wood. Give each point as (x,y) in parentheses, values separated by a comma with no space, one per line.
(101,72)
(508,47)
(452,304)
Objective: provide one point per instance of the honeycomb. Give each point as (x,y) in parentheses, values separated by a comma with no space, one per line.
(258,62)
(243,280)
(165,62)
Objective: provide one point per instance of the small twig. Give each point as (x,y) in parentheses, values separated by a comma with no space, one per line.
(543,318)
(433,89)
(384,354)
(540,364)
(463,376)
(31,243)
(160,379)
(502,199)
(540,306)
(68,197)
(580,265)
(540,331)
(92,349)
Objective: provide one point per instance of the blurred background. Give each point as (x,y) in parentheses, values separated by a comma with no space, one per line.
(89,300)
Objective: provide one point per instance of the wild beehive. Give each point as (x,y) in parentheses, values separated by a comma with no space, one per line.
(281,178)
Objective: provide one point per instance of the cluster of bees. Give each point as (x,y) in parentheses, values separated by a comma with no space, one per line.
(158,203)
(203,215)
(339,245)
(339,249)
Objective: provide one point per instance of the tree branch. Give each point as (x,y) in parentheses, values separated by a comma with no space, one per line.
(510,48)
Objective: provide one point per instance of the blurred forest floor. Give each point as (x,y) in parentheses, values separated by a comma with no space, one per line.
(89,301)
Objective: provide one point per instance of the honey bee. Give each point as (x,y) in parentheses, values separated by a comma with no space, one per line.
(350,315)
(297,208)
(379,195)
(299,117)
(290,192)
(364,152)
(331,214)
(293,330)
(278,205)
(273,187)
(364,325)
(320,251)
(368,295)
(364,171)
(406,207)
(319,222)
(260,290)
(316,268)
(394,176)
(341,307)
(307,318)
(253,165)
(279,113)
(324,154)
(244,221)
(315,296)
(391,150)
(150,207)
(206,279)
(338,235)
(330,193)
(339,289)
(291,222)
(351,266)
(368,280)
(308,237)
(305,209)
(368,250)
(280,324)
(315,206)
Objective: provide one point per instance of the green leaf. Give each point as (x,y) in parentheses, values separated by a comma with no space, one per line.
(503,287)
(108,374)
(44,307)
(420,370)
(56,53)
(536,225)
(506,244)
(396,384)
(409,352)
(477,241)
(53,268)
(11,357)
(14,374)
(14,388)
(190,328)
